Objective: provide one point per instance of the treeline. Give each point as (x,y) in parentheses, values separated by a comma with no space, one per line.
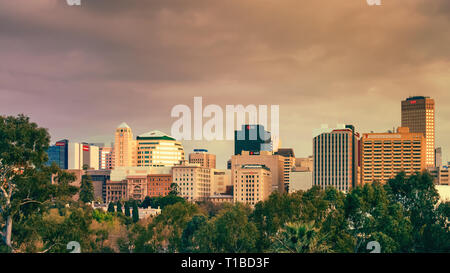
(402,216)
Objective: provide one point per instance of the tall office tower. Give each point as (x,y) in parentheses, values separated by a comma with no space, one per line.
(202,157)
(252,138)
(253,184)
(124,147)
(335,156)
(194,182)
(106,158)
(59,154)
(289,163)
(158,149)
(418,116)
(438,157)
(384,155)
(274,162)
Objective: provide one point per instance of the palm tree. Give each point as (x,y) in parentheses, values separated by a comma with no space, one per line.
(299,238)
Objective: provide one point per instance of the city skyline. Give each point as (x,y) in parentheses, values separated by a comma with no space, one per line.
(81,71)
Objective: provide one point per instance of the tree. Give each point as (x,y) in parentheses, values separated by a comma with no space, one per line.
(299,238)
(174,189)
(228,232)
(119,207)
(127,209)
(111,207)
(419,199)
(86,189)
(23,146)
(135,212)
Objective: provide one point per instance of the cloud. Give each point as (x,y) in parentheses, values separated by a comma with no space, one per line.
(80,71)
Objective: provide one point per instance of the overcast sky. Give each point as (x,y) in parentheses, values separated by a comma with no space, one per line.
(81,71)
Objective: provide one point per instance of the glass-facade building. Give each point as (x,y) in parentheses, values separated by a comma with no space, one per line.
(59,154)
(252,138)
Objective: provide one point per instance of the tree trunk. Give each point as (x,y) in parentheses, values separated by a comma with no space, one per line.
(8,231)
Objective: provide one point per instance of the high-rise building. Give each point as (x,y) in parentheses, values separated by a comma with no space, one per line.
(274,162)
(335,156)
(59,154)
(252,138)
(253,184)
(124,147)
(202,157)
(438,157)
(73,156)
(384,155)
(194,181)
(418,116)
(289,163)
(158,149)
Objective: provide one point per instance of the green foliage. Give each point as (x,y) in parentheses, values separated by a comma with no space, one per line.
(111,207)
(86,189)
(101,216)
(299,238)
(119,207)
(135,212)
(127,209)
(161,201)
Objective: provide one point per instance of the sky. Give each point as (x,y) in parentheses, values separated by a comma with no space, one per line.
(80,71)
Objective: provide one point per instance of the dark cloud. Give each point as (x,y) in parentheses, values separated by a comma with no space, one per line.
(80,71)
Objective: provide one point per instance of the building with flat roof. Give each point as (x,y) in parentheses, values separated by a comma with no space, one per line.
(384,155)
(274,162)
(194,181)
(203,158)
(418,115)
(253,184)
(158,184)
(335,155)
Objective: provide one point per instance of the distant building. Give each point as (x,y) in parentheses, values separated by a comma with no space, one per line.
(300,181)
(418,116)
(438,157)
(274,162)
(106,158)
(220,181)
(384,155)
(158,149)
(253,184)
(158,184)
(59,154)
(194,181)
(73,156)
(304,164)
(124,147)
(203,158)
(220,198)
(253,139)
(289,163)
(335,156)
(99,180)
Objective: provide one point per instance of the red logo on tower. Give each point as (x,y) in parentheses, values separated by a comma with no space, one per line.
(86,148)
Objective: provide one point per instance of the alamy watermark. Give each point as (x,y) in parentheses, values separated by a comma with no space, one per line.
(213,128)
(73,2)
(374,2)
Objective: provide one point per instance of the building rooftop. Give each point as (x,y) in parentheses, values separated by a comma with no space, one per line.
(155,135)
(123,125)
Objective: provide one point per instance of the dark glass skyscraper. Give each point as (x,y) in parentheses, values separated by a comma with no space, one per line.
(252,138)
